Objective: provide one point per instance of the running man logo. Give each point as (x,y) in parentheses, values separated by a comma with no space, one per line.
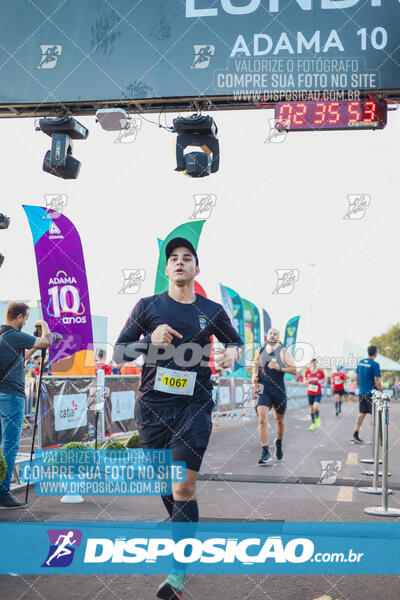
(274,136)
(128,132)
(358,204)
(286,280)
(56,202)
(132,280)
(203,205)
(202,56)
(62,547)
(50,56)
(329,471)
(68,343)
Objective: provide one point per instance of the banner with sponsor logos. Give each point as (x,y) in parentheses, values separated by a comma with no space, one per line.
(233,305)
(119,406)
(195,48)
(290,339)
(65,416)
(68,408)
(64,290)
(290,548)
(266,324)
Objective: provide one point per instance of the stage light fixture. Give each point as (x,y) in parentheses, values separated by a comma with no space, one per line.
(4,221)
(199,131)
(59,160)
(112,119)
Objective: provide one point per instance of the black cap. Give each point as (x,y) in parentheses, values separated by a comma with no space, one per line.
(180,242)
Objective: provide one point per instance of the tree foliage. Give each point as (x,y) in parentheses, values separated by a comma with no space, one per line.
(389,344)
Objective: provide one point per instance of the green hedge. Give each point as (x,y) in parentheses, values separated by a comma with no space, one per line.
(3,466)
(76,446)
(134,441)
(114,446)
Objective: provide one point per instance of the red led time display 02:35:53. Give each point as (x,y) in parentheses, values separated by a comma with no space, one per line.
(330,114)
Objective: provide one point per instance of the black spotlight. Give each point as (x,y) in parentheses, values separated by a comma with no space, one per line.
(197,131)
(4,221)
(1,259)
(59,160)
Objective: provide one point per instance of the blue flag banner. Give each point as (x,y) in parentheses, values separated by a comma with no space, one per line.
(290,339)
(266,324)
(233,305)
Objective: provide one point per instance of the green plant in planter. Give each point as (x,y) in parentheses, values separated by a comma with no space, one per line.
(114,446)
(134,441)
(3,466)
(76,446)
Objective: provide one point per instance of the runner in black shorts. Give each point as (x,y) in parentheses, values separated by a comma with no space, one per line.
(270,365)
(174,403)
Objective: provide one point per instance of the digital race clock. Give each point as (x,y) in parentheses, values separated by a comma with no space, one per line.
(330,114)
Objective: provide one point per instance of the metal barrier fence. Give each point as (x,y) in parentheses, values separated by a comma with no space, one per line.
(68,405)
(67,411)
(235,398)
(68,408)
(380,411)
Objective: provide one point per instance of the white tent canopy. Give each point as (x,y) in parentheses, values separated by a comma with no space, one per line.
(352,353)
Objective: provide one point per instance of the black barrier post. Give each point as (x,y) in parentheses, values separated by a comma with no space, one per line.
(99,403)
(375,395)
(377,408)
(384,510)
(96,420)
(39,394)
(377,425)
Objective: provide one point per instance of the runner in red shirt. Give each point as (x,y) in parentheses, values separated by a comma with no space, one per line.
(314,377)
(338,378)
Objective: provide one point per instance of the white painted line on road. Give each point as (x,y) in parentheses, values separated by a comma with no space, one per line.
(345,494)
(352,458)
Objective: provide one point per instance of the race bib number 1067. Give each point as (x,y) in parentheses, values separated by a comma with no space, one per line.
(174,382)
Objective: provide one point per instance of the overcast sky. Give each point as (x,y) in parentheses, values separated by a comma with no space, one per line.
(279,206)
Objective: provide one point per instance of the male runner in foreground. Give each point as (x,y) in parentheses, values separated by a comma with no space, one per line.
(368,378)
(174,404)
(271,363)
(314,377)
(338,378)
